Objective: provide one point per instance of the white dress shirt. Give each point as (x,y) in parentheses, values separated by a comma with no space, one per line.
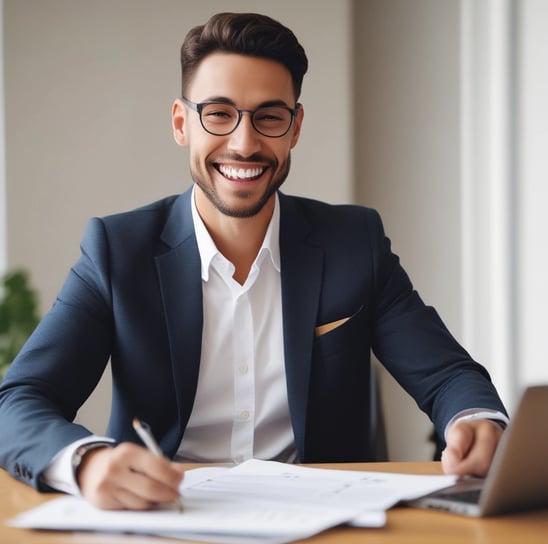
(241,409)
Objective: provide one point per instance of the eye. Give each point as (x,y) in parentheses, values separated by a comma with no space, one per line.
(219,113)
(271,115)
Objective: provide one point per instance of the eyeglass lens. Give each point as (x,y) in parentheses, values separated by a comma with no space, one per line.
(221,119)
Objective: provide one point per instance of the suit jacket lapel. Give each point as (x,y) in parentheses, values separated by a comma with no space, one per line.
(179,273)
(301,274)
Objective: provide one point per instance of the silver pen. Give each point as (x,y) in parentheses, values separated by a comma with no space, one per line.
(145,434)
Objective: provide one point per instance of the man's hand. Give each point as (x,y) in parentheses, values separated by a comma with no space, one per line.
(128,477)
(470,447)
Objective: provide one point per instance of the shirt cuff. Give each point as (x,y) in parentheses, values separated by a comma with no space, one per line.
(477,413)
(59,474)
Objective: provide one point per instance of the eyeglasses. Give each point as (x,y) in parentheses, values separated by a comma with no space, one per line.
(220,118)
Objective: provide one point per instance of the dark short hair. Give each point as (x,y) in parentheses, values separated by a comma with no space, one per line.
(248,34)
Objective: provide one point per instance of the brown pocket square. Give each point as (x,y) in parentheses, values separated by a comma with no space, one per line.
(322,329)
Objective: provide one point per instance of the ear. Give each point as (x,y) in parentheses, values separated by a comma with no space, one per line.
(178,118)
(297,123)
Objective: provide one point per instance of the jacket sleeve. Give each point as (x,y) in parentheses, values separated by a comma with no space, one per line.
(59,366)
(412,342)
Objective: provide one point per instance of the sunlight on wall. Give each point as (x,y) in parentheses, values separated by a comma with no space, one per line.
(3,208)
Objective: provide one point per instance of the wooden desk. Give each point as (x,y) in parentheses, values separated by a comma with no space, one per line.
(404,525)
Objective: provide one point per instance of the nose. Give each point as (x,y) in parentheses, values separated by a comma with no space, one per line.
(245,140)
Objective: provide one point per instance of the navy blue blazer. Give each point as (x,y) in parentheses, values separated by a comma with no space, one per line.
(135,296)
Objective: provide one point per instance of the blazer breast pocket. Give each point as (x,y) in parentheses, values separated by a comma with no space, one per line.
(343,335)
(328,327)
(332,325)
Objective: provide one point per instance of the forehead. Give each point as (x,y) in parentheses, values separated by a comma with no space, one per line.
(245,80)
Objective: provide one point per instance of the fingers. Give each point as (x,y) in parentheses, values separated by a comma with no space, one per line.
(470,448)
(128,477)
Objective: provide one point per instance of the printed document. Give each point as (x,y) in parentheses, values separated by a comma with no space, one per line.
(257,501)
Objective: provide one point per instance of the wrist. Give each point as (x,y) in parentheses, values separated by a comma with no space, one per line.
(82,456)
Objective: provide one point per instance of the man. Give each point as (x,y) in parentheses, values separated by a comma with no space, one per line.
(238,320)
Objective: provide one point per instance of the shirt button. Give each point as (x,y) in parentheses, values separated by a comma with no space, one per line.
(244,414)
(243,368)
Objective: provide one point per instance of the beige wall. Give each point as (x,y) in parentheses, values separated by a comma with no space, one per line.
(407,162)
(532,197)
(89,87)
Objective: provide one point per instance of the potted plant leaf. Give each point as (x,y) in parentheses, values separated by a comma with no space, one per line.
(18,315)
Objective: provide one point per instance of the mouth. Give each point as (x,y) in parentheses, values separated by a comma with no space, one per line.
(240,173)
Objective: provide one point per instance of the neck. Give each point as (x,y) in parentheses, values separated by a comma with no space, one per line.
(238,239)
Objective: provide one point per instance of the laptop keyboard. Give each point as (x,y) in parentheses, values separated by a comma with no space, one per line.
(471,496)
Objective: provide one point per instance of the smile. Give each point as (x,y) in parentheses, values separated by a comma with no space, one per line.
(247,174)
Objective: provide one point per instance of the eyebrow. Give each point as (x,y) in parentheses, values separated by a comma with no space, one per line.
(225,100)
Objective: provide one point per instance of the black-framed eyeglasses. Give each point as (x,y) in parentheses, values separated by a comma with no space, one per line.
(221,118)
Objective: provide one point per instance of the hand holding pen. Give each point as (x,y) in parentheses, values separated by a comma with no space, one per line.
(145,434)
(128,477)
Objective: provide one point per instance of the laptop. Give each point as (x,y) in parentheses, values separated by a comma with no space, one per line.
(518,477)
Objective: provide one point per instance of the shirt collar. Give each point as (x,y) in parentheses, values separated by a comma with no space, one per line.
(208,250)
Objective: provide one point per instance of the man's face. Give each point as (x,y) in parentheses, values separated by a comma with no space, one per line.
(240,172)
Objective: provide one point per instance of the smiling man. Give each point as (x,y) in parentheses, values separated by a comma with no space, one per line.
(239,320)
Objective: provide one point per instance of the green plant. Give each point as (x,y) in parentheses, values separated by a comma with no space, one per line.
(18,315)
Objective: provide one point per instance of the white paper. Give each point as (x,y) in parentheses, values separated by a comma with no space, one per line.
(256,501)
(371,491)
(205,517)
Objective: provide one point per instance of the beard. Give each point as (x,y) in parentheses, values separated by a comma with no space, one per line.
(279,175)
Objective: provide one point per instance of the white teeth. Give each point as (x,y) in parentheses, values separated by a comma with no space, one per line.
(240,173)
